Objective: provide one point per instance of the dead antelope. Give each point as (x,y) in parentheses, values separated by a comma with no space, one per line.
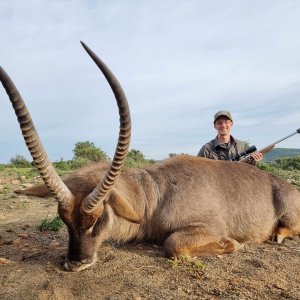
(194,206)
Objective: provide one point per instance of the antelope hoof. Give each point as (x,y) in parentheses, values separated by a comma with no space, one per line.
(279,238)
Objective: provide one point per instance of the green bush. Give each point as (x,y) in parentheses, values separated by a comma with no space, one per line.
(69,165)
(136,159)
(89,151)
(272,168)
(78,163)
(268,167)
(20,161)
(62,165)
(288,163)
(54,225)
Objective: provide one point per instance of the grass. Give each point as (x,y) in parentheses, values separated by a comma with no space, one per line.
(22,205)
(27,172)
(292,176)
(187,262)
(5,190)
(54,224)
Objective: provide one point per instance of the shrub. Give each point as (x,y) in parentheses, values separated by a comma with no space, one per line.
(271,168)
(54,225)
(62,165)
(89,151)
(69,165)
(288,163)
(136,159)
(20,161)
(78,163)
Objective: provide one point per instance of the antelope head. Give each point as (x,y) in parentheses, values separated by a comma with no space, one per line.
(83,214)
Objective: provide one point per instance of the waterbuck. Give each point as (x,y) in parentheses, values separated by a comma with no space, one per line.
(193,206)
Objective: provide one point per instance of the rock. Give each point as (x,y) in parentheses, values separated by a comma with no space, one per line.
(4,261)
(23,235)
(280,287)
(8,242)
(15,182)
(54,244)
(22,178)
(27,185)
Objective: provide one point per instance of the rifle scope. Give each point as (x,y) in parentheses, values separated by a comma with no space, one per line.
(245,153)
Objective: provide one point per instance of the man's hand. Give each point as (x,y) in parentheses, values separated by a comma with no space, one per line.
(256,157)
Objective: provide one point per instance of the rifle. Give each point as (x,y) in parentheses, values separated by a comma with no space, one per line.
(246,158)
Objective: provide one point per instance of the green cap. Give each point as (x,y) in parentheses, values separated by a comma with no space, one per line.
(222,113)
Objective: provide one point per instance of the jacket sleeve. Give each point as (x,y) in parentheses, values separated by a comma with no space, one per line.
(203,152)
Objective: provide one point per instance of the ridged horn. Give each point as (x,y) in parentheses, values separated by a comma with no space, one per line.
(100,192)
(51,179)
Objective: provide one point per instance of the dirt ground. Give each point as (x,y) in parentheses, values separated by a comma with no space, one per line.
(30,264)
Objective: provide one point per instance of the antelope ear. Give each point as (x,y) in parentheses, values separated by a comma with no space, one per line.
(38,191)
(122,208)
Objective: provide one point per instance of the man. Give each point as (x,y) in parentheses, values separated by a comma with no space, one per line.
(224,146)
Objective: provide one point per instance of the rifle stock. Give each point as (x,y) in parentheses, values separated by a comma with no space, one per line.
(267,149)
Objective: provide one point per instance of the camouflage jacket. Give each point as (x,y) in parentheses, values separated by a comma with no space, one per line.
(224,151)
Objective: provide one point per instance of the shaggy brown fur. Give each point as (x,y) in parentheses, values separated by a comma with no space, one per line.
(192,205)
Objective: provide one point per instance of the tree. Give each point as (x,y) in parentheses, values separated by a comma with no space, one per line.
(88,150)
(136,155)
(136,159)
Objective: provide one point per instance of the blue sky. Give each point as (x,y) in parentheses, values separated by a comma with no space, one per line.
(178,61)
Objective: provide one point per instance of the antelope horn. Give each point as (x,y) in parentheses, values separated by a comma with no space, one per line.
(34,145)
(99,194)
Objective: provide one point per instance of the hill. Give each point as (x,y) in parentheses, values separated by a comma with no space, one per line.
(281,152)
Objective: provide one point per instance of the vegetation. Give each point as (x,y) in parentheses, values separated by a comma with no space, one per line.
(287,168)
(288,163)
(277,153)
(10,170)
(136,159)
(187,262)
(174,154)
(86,153)
(63,166)
(87,150)
(20,161)
(54,224)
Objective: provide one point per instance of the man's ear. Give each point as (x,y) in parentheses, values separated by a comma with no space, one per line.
(122,208)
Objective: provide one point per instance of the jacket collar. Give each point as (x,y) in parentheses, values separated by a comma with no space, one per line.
(216,143)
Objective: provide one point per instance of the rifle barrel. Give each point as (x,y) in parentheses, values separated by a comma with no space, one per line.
(288,136)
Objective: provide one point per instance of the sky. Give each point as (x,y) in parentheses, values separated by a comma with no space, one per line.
(178,62)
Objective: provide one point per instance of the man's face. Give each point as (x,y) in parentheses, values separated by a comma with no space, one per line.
(223,125)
